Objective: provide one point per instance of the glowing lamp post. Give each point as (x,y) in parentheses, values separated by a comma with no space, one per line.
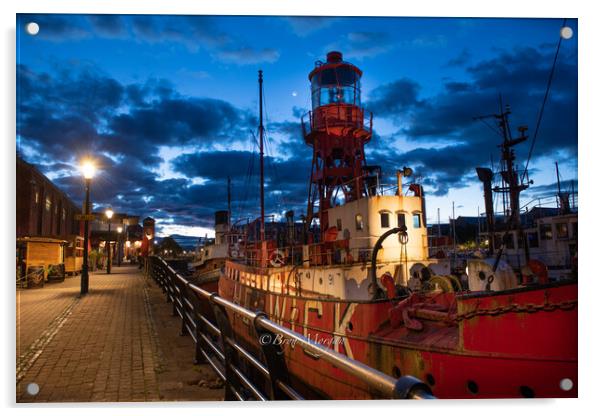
(119,253)
(88,169)
(109,214)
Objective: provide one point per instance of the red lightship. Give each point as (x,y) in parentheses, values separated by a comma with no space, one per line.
(365,285)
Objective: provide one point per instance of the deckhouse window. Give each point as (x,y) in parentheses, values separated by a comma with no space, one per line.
(562,230)
(533,240)
(401,219)
(416,219)
(359,222)
(545,231)
(384,220)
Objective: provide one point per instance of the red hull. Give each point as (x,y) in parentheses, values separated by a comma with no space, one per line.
(521,343)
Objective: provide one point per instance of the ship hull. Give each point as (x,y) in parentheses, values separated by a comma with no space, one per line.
(504,350)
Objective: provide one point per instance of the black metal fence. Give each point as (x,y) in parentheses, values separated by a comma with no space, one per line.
(246,376)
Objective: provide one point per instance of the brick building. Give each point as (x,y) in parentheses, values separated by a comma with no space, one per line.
(42,208)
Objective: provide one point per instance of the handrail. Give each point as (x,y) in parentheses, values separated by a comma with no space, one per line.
(238,384)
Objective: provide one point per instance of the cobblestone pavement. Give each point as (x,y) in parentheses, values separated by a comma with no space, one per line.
(38,307)
(105,346)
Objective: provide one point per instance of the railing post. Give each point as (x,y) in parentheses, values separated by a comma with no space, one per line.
(171,293)
(223,323)
(198,355)
(409,387)
(183,330)
(271,346)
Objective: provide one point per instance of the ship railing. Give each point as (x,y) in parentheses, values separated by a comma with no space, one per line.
(318,254)
(339,115)
(553,259)
(265,376)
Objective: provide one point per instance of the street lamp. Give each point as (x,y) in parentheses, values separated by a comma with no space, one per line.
(119,254)
(88,170)
(109,214)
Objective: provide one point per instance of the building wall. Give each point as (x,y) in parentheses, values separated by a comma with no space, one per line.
(42,208)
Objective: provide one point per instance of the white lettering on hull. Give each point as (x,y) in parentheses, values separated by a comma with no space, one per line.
(340,326)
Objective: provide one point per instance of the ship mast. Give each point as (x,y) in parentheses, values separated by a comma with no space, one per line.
(229,203)
(510,177)
(261,173)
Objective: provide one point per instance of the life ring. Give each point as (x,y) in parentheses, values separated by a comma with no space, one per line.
(277,258)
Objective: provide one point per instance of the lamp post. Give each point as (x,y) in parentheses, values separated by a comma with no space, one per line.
(88,172)
(119,253)
(109,214)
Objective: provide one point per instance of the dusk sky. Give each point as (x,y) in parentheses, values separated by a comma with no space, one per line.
(167,106)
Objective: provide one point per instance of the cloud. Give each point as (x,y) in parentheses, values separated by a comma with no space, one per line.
(395,99)
(304,26)
(191,31)
(54,27)
(540,191)
(248,56)
(360,45)
(79,112)
(110,25)
(66,115)
(215,165)
(520,76)
(461,60)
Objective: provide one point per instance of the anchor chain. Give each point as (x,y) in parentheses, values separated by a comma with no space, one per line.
(514,307)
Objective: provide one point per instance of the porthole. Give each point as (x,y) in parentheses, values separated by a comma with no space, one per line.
(566,384)
(472,386)
(527,392)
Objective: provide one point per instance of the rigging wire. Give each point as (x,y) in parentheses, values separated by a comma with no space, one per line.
(543,104)
(242,205)
(276,180)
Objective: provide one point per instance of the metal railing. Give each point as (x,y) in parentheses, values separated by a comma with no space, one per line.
(339,115)
(216,344)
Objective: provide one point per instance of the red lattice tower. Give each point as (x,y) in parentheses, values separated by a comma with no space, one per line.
(337,134)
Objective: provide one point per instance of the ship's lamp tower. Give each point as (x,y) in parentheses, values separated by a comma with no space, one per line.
(337,134)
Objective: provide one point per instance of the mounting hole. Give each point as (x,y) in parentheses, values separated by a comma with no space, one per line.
(430,379)
(482,275)
(396,372)
(33,389)
(566,384)
(32,28)
(350,326)
(472,386)
(566,32)
(527,392)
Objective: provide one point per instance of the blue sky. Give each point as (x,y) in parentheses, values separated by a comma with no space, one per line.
(167,104)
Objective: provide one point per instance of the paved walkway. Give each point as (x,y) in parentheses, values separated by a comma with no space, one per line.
(118,343)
